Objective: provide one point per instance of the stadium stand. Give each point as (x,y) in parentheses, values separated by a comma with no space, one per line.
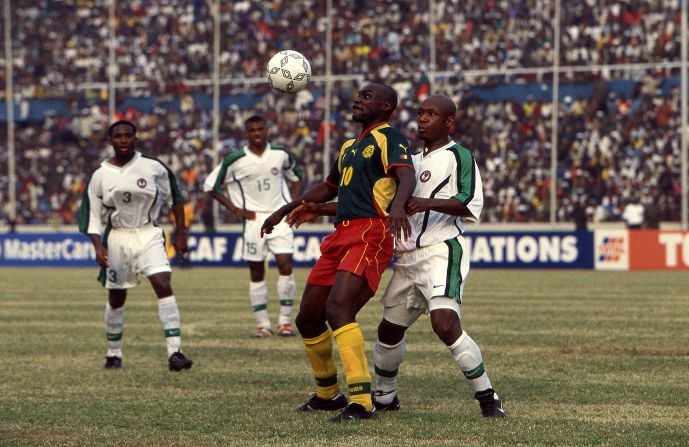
(618,128)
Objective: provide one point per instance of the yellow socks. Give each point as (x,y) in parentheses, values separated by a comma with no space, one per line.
(319,351)
(350,342)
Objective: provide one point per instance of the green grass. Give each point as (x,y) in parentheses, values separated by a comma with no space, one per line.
(579,358)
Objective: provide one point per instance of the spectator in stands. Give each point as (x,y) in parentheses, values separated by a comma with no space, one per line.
(633,213)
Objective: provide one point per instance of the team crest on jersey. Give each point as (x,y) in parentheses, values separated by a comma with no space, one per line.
(368,151)
(141,183)
(274,170)
(425,176)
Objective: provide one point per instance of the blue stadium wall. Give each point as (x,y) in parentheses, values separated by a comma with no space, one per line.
(509,249)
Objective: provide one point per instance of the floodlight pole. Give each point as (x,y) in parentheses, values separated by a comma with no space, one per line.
(216,100)
(554,117)
(684,124)
(9,102)
(112,65)
(327,107)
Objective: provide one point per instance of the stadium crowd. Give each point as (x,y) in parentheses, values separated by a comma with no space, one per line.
(610,150)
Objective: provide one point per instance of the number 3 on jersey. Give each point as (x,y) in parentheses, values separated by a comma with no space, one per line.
(347,174)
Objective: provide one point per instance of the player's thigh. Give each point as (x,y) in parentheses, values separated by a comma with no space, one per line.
(254,248)
(447,267)
(280,240)
(152,257)
(121,272)
(401,305)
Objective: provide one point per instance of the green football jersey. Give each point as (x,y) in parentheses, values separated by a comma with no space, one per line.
(365,189)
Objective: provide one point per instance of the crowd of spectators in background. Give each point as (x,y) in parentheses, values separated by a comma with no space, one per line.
(610,150)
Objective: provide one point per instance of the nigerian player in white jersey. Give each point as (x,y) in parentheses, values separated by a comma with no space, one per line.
(119,210)
(253,182)
(432,265)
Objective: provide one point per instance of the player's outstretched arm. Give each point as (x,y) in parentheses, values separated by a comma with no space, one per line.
(320,193)
(451,206)
(308,211)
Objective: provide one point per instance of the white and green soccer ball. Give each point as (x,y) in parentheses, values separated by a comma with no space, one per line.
(288,71)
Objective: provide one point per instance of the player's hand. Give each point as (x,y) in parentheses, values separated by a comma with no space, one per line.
(181,247)
(102,256)
(399,224)
(417,205)
(306,212)
(270,222)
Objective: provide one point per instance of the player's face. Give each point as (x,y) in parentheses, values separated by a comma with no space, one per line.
(432,122)
(368,105)
(257,134)
(123,140)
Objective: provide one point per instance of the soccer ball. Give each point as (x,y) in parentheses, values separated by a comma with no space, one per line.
(288,71)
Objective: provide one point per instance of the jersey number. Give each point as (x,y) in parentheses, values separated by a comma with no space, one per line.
(112,275)
(347,174)
(127,197)
(263,185)
(251,248)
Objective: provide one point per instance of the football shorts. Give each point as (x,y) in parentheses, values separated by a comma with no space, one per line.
(360,246)
(256,248)
(426,279)
(133,252)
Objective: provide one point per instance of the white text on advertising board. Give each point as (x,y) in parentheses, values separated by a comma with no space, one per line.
(40,249)
(526,249)
(674,243)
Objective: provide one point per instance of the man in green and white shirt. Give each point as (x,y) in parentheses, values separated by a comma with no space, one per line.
(119,211)
(252,182)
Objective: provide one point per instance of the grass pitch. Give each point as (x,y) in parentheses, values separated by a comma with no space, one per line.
(579,358)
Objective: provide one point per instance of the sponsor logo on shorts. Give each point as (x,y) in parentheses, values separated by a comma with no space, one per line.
(141,183)
(425,176)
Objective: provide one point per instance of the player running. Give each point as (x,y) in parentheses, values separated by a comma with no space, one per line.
(119,210)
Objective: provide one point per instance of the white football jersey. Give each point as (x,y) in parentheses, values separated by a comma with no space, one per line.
(449,171)
(130,196)
(256,183)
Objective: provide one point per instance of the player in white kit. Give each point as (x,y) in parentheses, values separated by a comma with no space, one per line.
(119,210)
(432,265)
(252,182)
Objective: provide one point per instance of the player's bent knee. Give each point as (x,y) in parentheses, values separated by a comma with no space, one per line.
(445,319)
(390,333)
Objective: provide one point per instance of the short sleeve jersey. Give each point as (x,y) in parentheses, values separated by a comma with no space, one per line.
(256,182)
(129,196)
(365,189)
(447,172)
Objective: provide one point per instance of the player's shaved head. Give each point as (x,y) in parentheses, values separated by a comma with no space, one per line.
(445,105)
(387,93)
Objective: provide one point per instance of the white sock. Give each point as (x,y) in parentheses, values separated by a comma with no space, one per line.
(258,295)
(114,326)
(467,356)
(386,362)
(287,289)
(169,316)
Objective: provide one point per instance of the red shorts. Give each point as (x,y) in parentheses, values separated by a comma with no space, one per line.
(361,246)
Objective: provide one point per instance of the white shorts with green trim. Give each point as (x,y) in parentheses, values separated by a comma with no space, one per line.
(133,252)
(426,279)
(256,248)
